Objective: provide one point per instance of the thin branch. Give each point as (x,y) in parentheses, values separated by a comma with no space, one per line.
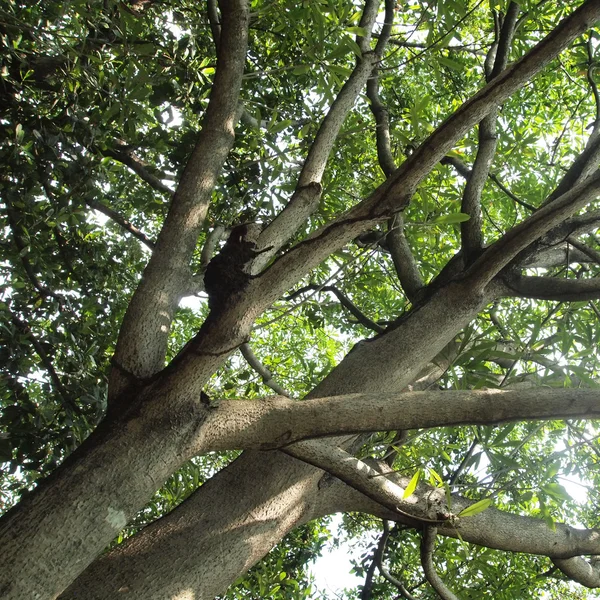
(25,329)
(344,301)
(427,549)
(584,249)
(465,171)
(383,570)
(218,234)
(307,195)
(471,233)
(266,375)
(120,220)
(127,157)
(366,479)
(367,588)
(402,257)
(591,81)
(463,463)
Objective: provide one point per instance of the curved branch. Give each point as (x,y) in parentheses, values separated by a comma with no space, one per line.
(142,342)
(127,157)
(471,234)
(267,376)
(585,572)
(427,549)
(384,571)
(307,195)
(344,301)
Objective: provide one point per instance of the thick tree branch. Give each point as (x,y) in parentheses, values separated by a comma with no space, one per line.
(427,549)
(397,191)
(368,480)
(491,528)
(277,421)
(143,337)
(552,288)
(120,220)
(585,572)
(403,259)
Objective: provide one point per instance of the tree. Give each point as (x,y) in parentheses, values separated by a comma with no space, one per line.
(416,182)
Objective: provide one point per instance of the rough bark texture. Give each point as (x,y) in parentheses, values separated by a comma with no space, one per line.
(159,420)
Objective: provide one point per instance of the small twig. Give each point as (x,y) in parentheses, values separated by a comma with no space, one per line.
(266,375)
(464,461)
(25,329)
(344,301)
(120,220)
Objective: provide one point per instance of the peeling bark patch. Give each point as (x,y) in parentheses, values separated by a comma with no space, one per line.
(116,518)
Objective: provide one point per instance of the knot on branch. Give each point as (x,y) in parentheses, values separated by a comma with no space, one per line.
(229,271)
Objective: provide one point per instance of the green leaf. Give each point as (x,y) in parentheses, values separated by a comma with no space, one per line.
(451,64)
(359,31)
(449,219)
(556,490)
(301,69)
(476,508)
(412,485)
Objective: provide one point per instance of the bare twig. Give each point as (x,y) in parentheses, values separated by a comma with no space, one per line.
(25,329)
(344,301)
(266,375)
(120,220)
